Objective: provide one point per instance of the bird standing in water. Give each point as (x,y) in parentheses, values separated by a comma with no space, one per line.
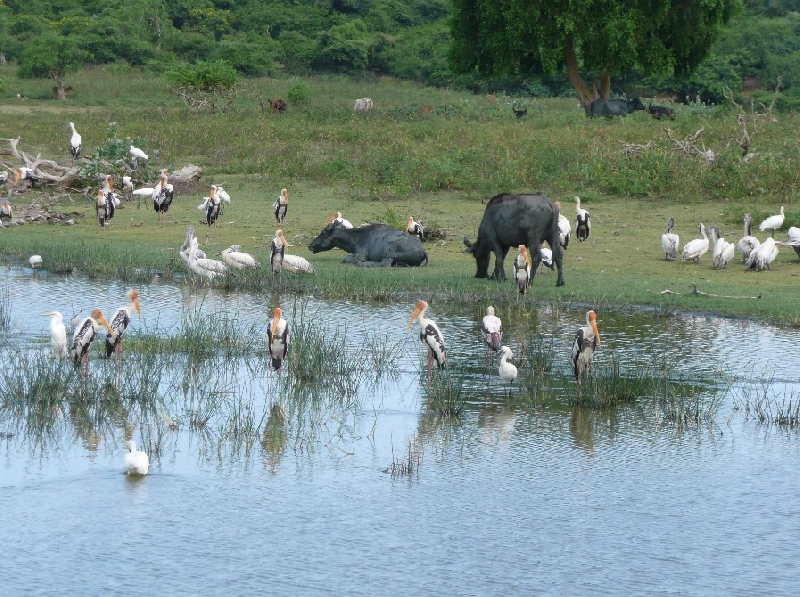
(430,336)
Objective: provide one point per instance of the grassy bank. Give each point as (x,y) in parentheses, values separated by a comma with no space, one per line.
(436,165)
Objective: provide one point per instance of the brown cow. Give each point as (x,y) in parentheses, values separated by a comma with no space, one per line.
(277,105)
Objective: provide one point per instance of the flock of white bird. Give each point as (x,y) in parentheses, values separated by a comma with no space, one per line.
(756,255)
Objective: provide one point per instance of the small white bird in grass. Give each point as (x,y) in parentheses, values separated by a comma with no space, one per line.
(341,221)
(415,229)
(278,339)
(748,243)
(85,333)
(58,334)
(136,461)
(670,241)
(235,257)
(587,339)
(772,223)
(723,250)
(492,330)
(35,261)
(762,258)
(583,221)
(74,142)
(522,270)
(120,322)
(281,206)
(696,248)
(430,336)
(507,371)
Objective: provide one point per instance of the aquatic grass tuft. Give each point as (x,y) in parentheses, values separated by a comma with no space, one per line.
(446,394)
(5,312)
(407,465)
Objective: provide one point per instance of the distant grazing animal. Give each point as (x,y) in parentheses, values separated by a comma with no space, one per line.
(281,206)
(696,248)
(415,228)
(670,241)
(772,223)
(584,222)
(512,220)
(277,105)
(519,112)
(426,109)
(491,98)
(371,245)
(67,91)
(363,104)
(661,112)
(614,107)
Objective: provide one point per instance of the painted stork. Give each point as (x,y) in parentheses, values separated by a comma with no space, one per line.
(101,207)
(74,142)
(58,334)
(587,339)
(564,230)
(337,217)
(163,194)
(415,229)
(723,250)
(24,174)
(120,323)
(748,243)
(85,333)
(5,210)
(136,461)
(507,371)
(281,206)
(763,257)
(793,240)
(583,221)
(522,270)
(492,329)
(430,336)
(234,257)
(670,241)
(696,248)
(212,206)
(35,261)
(772,223)
(277,250)
(278,339)
(112,199)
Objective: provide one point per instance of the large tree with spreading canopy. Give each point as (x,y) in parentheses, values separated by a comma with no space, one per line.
(592,39)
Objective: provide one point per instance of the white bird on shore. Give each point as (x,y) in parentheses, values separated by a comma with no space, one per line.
(762,257)
(430,336)
(35,261)
(278,339)
(696,248)
(507,371)
(58,334)
(136,461)
(492,329)
(296,264)
(748,243)
(235,257)
(723,250)
(793,240)
(772,223)
(196,259)
(74,142)
(586,341)
(337,217)
(138,154)
(584,223)
(120,322)
(670,241)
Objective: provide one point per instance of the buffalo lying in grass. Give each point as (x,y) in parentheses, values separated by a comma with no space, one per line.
(513,220)
(376,245)
(614,107)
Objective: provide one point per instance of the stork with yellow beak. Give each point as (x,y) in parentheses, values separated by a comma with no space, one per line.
(522,270)
(430,336)
(120,323)
(277,250)
(587,339)
(85,333)
(278,339)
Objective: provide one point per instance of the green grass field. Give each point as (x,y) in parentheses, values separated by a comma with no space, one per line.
(436,165)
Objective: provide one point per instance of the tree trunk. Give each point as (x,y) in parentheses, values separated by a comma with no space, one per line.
(3,61)
(585,96)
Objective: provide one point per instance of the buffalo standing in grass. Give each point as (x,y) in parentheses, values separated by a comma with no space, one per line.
(513,220)
(614,107)
(371,245)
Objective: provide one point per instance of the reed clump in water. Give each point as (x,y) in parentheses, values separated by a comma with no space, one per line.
(406,465)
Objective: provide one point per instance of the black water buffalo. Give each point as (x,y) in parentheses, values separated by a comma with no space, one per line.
(513,220)
(371,245)
(614,107)
(661,112)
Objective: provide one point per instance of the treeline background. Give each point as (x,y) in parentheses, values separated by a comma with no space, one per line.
(406,39)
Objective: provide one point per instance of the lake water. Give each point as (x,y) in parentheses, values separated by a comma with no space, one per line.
(515,497)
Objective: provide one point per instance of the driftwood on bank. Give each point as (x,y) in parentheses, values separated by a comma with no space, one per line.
(697,292)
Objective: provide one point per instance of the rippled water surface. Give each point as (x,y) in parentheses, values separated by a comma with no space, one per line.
(520,495)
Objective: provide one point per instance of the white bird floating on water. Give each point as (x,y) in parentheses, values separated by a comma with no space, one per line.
(136,461)
(58,334)
(507,371)
(235,257)
(772,223)
(670,241)
(696,248)
(74,142)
